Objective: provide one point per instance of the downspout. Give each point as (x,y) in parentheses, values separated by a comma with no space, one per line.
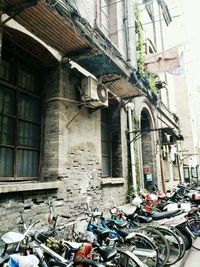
(1,37)
(131,137)
(126,30)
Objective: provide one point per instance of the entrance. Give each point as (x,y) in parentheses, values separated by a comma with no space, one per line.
(148,155)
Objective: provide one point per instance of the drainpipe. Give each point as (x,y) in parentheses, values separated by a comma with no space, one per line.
(126,30)
(132,152)
(1,37)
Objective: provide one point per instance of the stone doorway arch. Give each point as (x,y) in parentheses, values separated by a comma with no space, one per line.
(148,149)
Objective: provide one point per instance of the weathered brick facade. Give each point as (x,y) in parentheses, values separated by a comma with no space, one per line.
(70,155)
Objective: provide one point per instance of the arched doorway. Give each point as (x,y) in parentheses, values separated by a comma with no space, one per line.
(148,151)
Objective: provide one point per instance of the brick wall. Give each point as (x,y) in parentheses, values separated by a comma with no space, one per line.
(71,155)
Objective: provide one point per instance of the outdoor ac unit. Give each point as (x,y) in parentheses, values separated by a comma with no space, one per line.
(94,93)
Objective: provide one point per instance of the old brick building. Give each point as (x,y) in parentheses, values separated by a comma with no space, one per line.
(70,132)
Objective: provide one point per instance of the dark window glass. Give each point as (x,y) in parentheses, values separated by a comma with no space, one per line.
(26,78)
(6,162)
(6,130)
(105,143)
(27,163)
(19,122)
(111,152)
(28,135)
(5,70)
(28,108)
(7,98)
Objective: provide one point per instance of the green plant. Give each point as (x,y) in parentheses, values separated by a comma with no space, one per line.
(152,82)
(130,193)
(140,46)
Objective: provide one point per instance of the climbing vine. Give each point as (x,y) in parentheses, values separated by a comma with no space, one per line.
(152,82)
(140,48)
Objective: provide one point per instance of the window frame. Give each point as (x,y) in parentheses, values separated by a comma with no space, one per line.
(9,82)
(107,141)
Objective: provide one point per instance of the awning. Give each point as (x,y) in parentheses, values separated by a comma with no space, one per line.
(98,65)
(15,5)
(123,88)
(50,27)
(74,40)
(173,132)
(163,62)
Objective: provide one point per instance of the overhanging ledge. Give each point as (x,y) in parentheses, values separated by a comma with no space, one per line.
(20,187)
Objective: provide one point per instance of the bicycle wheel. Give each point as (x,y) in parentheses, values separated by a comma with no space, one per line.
(162,245)
(126,258)
(142,247)
(174,244)
(194,226)
(182,240)
(186,237)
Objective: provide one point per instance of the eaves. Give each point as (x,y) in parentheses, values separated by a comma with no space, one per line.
(63,29)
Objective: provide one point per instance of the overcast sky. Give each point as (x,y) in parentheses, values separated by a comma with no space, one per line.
(191,10)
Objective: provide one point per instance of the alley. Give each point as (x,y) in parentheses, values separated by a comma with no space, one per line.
(191,258)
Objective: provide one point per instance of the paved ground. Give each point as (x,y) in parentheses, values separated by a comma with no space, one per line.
(191,258)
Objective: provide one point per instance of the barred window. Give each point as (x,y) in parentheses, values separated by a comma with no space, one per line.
(19,121)
(104,17)
(111,142)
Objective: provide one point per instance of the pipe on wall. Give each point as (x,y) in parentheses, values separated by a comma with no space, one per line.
(126,29)
(130,107)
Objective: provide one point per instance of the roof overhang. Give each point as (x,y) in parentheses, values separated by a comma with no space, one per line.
(50,27)
(74,39)
(16,5)
(173,132)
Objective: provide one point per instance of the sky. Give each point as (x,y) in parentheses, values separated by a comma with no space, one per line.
(191,16)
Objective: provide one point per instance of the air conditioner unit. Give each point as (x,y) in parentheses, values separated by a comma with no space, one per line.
(94,93)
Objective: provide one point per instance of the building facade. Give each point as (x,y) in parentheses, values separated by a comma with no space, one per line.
(79,123)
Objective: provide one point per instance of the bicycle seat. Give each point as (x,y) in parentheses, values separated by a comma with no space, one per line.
(144,219)
(164,215)
(107,253)
(120,224)
(74,245)
(12,237)
(122,233)
(101,233)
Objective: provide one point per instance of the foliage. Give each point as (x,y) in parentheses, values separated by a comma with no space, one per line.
(152,81)
(140,47)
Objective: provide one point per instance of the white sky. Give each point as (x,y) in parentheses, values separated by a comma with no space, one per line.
(191,10)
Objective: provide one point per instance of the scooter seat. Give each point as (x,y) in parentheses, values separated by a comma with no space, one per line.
(164,215)
(12,237)
(120,224)
(107,253)
(122,233)
(101,233)
(144,219)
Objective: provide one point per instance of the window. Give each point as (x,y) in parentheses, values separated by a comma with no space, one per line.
(105,143)
(104,17)
(149,8)
(165,12)
(111,142)
(19,121)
